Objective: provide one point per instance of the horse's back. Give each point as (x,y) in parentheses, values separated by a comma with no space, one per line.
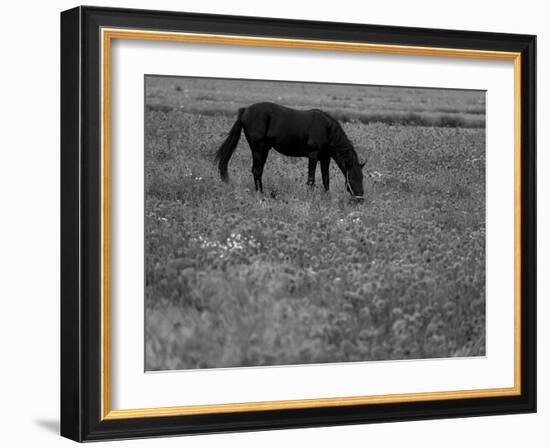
(288,130)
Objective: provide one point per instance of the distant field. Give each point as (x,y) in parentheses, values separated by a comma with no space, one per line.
(295,276)
(366,104)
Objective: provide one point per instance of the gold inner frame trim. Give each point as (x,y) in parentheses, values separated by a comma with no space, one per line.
(107,35)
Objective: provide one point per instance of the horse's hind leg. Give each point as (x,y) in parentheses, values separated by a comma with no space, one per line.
(325,164)
(259,156)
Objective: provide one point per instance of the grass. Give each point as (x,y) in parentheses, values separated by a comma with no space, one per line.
(364,104)
(437,119)
(296,276)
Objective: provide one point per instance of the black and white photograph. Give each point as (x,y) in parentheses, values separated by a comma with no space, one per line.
(291,223)
(275,224)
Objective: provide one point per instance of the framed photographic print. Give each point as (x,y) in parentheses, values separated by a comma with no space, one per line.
(274,224)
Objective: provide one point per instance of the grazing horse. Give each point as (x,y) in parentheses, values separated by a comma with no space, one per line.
(299,133)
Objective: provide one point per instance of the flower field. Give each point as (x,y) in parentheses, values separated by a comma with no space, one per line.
(294,276)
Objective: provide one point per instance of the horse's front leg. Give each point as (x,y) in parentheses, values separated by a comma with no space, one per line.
(312,166)
(325,164)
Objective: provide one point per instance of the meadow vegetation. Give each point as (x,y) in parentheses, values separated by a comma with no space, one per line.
(294,276)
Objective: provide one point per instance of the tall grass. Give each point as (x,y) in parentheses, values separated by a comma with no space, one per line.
(234,278)
(437,119)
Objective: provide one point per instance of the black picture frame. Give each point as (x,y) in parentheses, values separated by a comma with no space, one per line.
(81,224)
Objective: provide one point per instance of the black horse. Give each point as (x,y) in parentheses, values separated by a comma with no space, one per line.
(300,133)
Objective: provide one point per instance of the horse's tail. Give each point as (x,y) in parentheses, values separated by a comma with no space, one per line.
(228,146)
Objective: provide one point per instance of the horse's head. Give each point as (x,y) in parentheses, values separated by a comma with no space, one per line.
(354,179)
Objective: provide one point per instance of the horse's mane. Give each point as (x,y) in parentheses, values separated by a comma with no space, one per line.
(339,141)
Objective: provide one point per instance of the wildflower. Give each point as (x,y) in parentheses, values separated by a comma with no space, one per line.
(364,313)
